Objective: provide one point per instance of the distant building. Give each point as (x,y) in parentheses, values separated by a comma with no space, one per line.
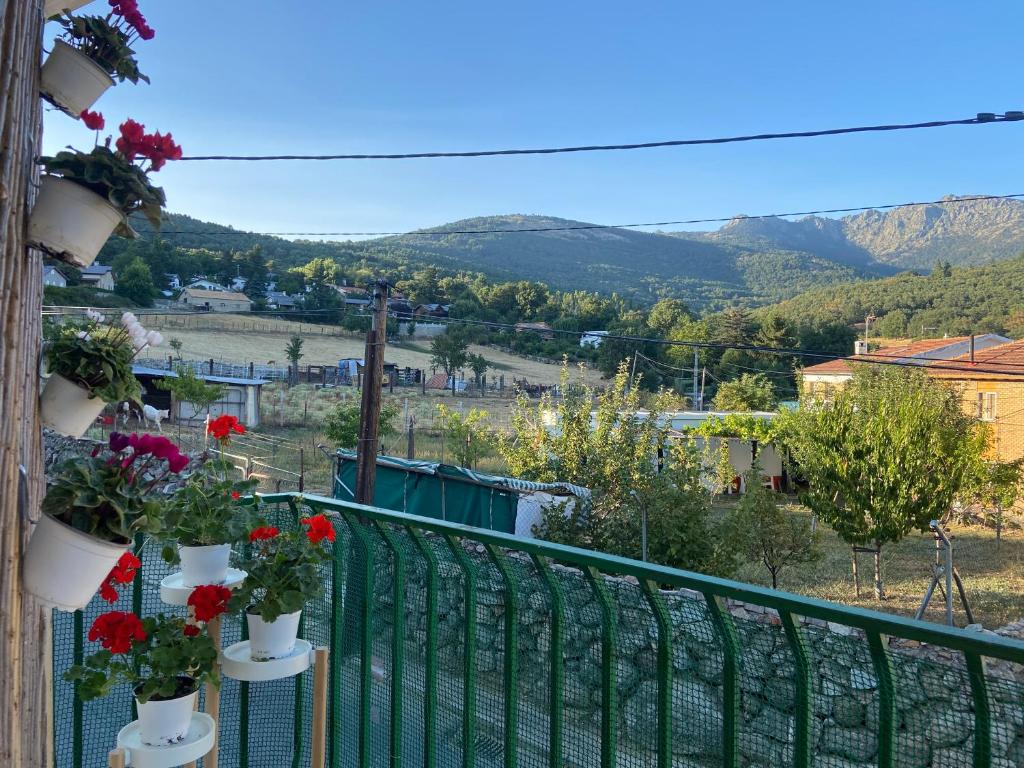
(99,276)
(239,283)
(278,300)
(400,308)
(215,301)
(207,285)
(173,281)
(432,310)
(989,380)
(592,339)
(53,276)
(543,330)
(241,397)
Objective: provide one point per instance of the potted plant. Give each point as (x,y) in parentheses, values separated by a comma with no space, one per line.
(90,53)
(92,510)
(164,658)
(204,518)
(85,196)
(282,576)
(53,8)
(90,365)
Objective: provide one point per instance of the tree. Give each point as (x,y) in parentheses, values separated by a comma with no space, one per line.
(410,329)
(342,423)
(468,435)
(758,529)
(176,345)
(135,282)
(750,392)
(887,454)
(994,486)
(187,387)
(449,351)
(614,452)
(479,365)
(293,351)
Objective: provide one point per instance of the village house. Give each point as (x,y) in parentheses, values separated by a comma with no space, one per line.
(53,276)
(279,300)
(215,301)
(99,276)
(987,376)
(206,285)
(432,310)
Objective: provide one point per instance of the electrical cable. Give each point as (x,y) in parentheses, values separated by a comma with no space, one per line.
(982,118)
(579,227)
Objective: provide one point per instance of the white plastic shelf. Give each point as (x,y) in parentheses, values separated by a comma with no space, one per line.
(198,742)
(236,662)
(174,592)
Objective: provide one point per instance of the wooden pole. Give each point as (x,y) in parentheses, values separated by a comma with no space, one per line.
(320,670)
(369,415)
(213,698)
(117,758)
(25,637)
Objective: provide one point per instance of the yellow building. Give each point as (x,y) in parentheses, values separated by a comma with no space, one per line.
(990,380)
(215,301)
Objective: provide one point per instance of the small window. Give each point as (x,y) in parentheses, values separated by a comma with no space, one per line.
(987,406)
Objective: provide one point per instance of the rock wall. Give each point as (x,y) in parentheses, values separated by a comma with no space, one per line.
(935,720)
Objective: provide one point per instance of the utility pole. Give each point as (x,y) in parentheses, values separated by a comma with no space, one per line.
(695,365)
(369,413)
(632,373)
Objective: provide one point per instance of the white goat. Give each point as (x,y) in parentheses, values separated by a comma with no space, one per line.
(151,414)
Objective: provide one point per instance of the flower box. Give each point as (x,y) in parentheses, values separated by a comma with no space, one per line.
(71,80)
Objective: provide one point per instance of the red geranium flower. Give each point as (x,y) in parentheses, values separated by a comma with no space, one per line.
(117,630)
(122,573)
(263,533)
(236,495)
(191,630)
(222,427)
(93,120)
(320,528)
(108,593)
(209,601)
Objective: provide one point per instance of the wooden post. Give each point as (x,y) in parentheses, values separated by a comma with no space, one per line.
(369,416)
(213,698)
(25,638)
(320,670)
(117,758)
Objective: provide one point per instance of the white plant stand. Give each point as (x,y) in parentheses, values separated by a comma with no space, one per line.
(236,662)
(174,592)
(200,740)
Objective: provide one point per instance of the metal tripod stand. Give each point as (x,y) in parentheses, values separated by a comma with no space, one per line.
(944,574)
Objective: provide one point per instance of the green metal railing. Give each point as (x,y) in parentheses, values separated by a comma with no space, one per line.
(456,646)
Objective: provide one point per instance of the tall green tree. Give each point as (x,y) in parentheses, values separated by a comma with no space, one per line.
(293,351)
(449,351)
(888,453)
(749,392)
(135,282)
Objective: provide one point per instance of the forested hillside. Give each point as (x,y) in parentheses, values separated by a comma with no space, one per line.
(951,300)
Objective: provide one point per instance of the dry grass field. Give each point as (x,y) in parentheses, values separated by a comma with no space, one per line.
(232,338)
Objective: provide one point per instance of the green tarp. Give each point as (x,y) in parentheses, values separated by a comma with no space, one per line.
(443,491)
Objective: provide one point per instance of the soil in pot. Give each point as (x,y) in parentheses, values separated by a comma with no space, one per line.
(165,720)
(271,640)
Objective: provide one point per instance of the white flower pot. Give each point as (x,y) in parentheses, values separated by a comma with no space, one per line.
(204,565)
(67,408)
(64,567)
(166,722)
(72,80)
(54,7)
(274,640)
(70,222)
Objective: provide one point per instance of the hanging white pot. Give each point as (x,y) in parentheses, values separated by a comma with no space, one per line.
(204,565)
(54,7)
(67,408)
(273,640)
(71,80)
(163,722)
(64,567)
(71,222)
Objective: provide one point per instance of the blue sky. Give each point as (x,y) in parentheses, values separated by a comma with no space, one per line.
(315,77)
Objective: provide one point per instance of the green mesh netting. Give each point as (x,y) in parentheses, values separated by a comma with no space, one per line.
(461,714)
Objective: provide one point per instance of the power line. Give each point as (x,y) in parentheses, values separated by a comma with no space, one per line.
(982,118)
(575,227)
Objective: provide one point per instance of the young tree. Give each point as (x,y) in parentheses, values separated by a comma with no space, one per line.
(468,435)
(750,392)
(479,365)
(888,453)
(187,387)
(293,351)
(449,351)
(135,282)
(176,345)
(758,529)
(342,423)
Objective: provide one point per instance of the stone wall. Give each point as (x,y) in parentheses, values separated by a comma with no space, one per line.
(935,716)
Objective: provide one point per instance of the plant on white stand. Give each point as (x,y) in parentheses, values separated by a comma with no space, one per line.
(283,575)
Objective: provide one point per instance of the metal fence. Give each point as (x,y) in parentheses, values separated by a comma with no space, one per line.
(454,646)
